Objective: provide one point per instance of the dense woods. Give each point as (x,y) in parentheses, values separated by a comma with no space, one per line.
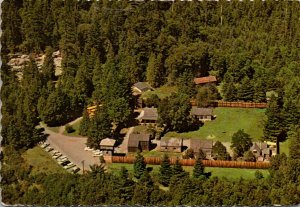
(106,46)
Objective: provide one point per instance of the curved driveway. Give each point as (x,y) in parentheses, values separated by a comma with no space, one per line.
(73,148)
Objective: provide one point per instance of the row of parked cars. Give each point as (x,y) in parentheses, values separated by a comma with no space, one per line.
(60,158)
(96,153)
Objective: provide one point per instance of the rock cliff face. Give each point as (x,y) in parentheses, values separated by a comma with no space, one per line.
(18,61)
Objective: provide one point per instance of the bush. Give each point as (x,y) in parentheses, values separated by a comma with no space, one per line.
(69,128)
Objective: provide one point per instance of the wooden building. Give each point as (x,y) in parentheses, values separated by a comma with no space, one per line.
(168,144)
(205,80)
(203,114)
(140,87)
(107,146)
(201,144)
(148,116)
(139,142)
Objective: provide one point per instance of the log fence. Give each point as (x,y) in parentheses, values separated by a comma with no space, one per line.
(191,162)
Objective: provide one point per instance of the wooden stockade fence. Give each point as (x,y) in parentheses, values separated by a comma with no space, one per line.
(191,162)
(234,104)
(239,104)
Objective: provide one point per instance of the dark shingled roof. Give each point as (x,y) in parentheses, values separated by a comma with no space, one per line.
(197,144)
(170,142)
(201,111)
(143,86)
(149,114)
(135,138)
(207,79)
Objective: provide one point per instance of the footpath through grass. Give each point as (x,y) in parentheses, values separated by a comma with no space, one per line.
(229,173)
(227,122)
(41,161)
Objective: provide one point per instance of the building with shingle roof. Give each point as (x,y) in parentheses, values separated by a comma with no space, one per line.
(201,144)
(139,142)
(148,116)
(107,145)
(172,144)
(141,87)
(203,114)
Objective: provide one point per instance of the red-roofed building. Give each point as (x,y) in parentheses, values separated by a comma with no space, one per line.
(204,80)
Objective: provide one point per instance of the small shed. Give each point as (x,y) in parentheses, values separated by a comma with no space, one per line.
(205,80)
(141,87)
(139,142)
(148,116)
(168,144)
(203,114)
(107,146)
(204,145)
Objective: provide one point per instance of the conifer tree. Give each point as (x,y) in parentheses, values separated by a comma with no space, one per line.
(219,152)
(165,171)
(100,128)
(245,90)
(198,170)
(274,129)
(48,68)
(139,165)
(154,70)
(84,124)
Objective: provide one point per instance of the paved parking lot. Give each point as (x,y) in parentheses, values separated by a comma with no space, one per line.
(73,148)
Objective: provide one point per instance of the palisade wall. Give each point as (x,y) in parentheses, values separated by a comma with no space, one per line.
(191,162)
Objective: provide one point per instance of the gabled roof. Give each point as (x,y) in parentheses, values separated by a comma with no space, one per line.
(207,79)
(149,114)
(143,86)
(170,142)
(135,138)
(255,147)
(201,111)
(108,142)
(197,144)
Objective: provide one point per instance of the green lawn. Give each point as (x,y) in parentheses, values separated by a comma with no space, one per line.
(229,121)
(284,147)
(76,128)
(161,92)
(41,161)
(229,173)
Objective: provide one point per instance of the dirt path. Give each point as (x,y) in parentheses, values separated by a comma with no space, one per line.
(73,148)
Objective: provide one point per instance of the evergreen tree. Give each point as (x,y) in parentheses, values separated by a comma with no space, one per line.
(259,92)
(186,84)
(219,152)
(48,68)
(198,170)
(245,90)
(99,128)
(249,156)
(240,142)
(84,124)
(230,92)
(154,70)
(274,127)
(165,171)
(294,137)
(139,166)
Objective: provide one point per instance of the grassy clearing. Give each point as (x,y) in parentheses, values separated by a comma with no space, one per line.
(75,126)
(284,147)
(229,121)
(41,161)
(161,92)
(229,173)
